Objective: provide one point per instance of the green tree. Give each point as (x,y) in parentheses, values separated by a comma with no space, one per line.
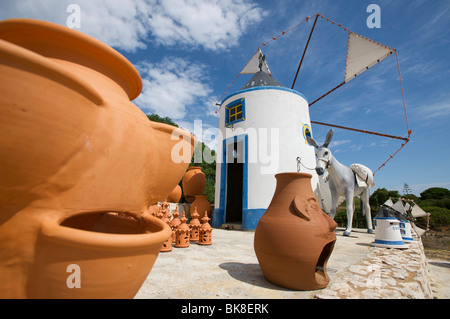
(380,196)
(406,189)
(165,120)
(203,157)
(435,193)
(208,165)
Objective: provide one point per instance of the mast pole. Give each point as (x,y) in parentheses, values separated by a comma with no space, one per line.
(304,51)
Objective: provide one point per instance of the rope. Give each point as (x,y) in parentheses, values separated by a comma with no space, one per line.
(299,161)
(406,118)
(263,44)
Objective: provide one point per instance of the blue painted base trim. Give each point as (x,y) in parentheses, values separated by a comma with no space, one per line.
(407,238)
(389,242)
(251,217)
(218,218)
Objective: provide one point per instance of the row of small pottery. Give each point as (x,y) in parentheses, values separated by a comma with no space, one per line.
(294,238)
(183,233)
(69,195)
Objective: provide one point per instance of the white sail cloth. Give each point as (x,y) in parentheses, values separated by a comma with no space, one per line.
(254,63)
(363,53)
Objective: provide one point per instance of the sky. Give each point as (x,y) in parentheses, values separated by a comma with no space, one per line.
(188,52)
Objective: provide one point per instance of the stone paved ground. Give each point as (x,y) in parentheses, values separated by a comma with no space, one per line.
(384,273)
(230,269)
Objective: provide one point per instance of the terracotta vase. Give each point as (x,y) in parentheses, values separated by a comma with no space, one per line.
(164,215)
(174,223)
(194,183)
(205,231)
(175,195)
(194,225)
(109,250)
(201,204)
(294,238)
(182,233)
(72,144)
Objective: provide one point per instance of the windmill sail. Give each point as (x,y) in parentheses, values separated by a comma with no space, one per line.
(253,66)
(398,206)
(362,54)
(419,231)
(418,212)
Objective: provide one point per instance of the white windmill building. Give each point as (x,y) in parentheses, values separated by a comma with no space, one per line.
(263,129)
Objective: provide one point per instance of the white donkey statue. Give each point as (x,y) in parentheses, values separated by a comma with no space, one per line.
(345,182)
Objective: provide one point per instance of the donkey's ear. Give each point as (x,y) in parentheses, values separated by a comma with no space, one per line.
(312,142)
(328,138)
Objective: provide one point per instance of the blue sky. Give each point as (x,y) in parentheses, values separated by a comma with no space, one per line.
(189,51)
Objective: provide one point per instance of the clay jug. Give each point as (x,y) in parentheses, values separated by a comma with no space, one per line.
(73,147)
(294,238)
(175,195)
(194,183)
(201,204)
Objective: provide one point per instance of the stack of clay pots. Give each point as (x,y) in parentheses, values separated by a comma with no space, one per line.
(74,190)
(194,183)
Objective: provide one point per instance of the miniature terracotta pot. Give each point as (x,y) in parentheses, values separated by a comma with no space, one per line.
(205,232)
(194,226)
(175,195)
(65,149)
(201,204)
(114,257)
(194,183)
(182,233)
(294,238)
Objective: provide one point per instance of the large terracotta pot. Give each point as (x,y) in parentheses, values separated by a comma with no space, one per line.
(294,238)
(72,143)
(175,195)
(201,204)
(194,183)
(114,254)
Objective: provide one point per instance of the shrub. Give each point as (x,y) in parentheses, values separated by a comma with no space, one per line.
(439,217)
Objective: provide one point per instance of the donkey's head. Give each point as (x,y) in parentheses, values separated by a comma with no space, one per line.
(323,153)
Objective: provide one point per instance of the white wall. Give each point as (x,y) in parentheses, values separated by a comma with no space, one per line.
(274,124)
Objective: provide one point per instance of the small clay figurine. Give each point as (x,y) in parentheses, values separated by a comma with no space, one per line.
(174,223)
(194,225)
(182,233)
(205,231)
(164,215)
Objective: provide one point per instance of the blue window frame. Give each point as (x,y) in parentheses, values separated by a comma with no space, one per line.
(235,112)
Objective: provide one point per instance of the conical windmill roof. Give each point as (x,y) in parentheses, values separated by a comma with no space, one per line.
(261,78)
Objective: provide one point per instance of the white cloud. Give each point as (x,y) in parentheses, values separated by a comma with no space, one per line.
(172,85)
(119,23)
(212,24)
(127,24)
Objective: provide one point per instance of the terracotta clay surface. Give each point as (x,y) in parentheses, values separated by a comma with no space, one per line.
(194,225)
(182,233)
(73,146)
(294,238)
(175,195)
(201,204)
(205,232)
(194,183)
